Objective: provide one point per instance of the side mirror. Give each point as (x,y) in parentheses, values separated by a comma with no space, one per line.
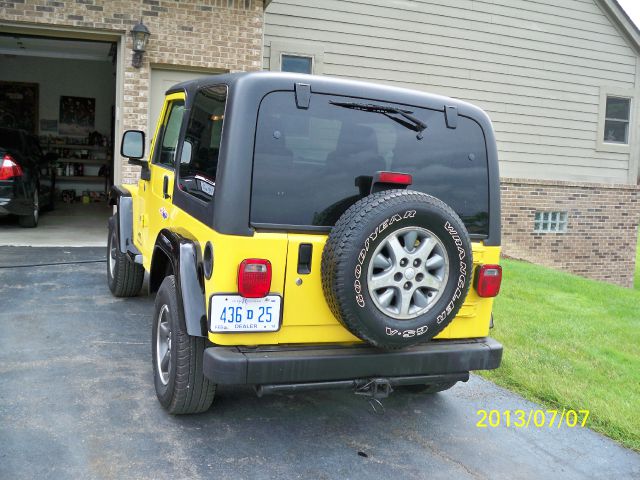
(132,146)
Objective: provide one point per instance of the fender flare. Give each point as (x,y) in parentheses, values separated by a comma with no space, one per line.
(121,198)
(185,257)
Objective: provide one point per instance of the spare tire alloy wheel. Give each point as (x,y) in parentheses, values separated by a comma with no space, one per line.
(408,273)
(397,268)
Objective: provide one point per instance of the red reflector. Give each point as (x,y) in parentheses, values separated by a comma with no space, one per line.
(488,279)
(254,278)
(394,177)
(9,168)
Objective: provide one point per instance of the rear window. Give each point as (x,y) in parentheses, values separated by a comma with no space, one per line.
(306,161)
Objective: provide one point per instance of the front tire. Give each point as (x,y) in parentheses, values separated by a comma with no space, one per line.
(180,384)
(125,277)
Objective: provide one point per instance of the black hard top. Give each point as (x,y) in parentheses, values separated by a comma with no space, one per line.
(273,81)
(246,91)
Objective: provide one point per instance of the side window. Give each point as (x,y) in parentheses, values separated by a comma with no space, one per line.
(199,159)
(616,122)
(296,63)
(166,148)
(297,57)
(615,118)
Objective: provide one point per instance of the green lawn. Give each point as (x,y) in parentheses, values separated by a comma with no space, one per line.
(571,343)
(637,282)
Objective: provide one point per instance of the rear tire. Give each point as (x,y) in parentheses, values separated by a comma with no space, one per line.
(125,277)
(426,389)
(180,384)
(31,220)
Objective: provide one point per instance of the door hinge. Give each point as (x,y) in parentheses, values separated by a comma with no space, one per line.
(303,95)
(451,116)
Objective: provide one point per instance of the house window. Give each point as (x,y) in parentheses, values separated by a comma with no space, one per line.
(297,64)
(616,122)
(296,57)
(546,222)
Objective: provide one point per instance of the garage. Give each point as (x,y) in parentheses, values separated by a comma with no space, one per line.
(57,111)
(72,69)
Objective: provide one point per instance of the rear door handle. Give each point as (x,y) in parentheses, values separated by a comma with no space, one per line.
(165,188)
(305,253)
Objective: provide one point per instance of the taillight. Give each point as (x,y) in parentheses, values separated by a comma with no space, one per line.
(9,168)
(254,278)
(488,279)
(393,177)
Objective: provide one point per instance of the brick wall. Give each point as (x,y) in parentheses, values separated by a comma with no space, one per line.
(208,34)
(600,241)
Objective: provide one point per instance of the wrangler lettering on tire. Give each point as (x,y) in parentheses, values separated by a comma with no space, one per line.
(397,267)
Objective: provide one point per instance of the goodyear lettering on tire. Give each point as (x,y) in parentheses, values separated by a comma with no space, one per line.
(357,285)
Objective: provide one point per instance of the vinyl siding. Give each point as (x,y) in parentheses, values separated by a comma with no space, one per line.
(536,67)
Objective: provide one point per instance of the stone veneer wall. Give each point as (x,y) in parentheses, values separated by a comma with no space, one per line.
(206,34)
(602,231)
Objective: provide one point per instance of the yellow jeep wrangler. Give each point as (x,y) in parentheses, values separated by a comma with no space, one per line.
(311,232)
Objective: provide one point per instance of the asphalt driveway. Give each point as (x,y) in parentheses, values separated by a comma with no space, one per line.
(77,401)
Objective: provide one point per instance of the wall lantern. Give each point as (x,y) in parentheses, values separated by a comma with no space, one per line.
(140,35)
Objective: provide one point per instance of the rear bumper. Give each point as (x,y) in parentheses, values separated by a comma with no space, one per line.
(309,364)
(11,202)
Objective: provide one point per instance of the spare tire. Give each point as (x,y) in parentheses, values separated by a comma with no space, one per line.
(397,267)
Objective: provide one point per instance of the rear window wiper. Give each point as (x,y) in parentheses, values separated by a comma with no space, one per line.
(414,123)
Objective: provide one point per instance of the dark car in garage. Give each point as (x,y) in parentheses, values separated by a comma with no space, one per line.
(27,182)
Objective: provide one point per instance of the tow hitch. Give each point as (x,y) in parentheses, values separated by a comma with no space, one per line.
(375,388)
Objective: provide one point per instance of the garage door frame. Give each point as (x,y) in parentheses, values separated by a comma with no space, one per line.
(55,31)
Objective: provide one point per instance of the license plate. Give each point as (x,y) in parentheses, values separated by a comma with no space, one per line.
(233,313)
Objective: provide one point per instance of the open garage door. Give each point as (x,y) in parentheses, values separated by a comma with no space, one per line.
(57,104)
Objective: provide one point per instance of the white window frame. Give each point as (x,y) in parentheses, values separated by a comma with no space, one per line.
(296,49)
(601,144)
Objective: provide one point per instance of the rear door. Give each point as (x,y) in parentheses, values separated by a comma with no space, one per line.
(310,163)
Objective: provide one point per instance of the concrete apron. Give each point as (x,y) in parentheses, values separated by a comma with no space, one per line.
(69,225)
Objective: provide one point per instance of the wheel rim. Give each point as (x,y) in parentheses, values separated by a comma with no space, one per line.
(163,345)
(36,206)
(408,273)
(112,252)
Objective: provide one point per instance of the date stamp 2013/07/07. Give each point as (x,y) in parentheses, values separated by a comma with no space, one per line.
(532,418)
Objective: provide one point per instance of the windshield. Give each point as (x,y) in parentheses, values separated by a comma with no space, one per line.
(306,161)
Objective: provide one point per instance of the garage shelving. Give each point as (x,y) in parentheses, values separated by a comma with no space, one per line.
(91,157)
